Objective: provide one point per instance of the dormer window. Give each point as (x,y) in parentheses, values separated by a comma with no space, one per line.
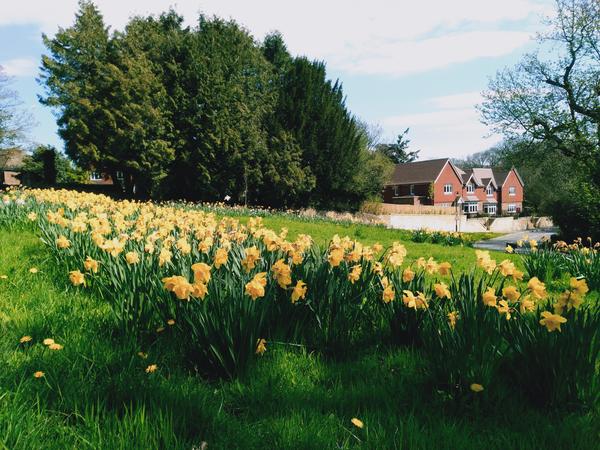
(470,188)
(490,190)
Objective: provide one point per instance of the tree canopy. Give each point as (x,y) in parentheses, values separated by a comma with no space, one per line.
(204,112)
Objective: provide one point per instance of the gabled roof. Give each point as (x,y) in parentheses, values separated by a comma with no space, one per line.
(419,171)
(501,175)
(11,159)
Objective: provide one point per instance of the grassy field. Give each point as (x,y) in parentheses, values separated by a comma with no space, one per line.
(96,394)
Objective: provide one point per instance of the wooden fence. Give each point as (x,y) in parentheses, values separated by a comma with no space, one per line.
(390,208)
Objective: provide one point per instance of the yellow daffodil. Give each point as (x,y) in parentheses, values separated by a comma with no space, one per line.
(221,257)
(132,258)
(511,293)
(452,318)
(255,288)
(261,346)
(407,275)
(538,289)
(38,374)
(444,268)
(579,286)
(489,297)
(91,265)
(354,274)
(335,257)
(357,422)
(551,321)
(151,368)
(76,278)
(299,291)
(441,290)
(25,339)
(475,387)
(62,242)
(201,273)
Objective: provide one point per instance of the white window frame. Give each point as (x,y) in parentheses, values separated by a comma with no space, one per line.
(119,175)
(512,191)
(448,189)
(396,194)
(490,209)
(511,208)
(471,207)
(411,189)
(490,190)
(96,176)
(470,188)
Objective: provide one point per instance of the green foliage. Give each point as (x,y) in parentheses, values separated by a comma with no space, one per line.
(544,263)
(556,369)
(398,152)
(205,112)
(47,167)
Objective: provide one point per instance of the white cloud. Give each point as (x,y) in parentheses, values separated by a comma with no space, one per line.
(453,130)
(375,37)
(19,67)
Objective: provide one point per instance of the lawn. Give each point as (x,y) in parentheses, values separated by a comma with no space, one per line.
(97,394)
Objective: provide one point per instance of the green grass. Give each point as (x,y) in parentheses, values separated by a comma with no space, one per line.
(461,257)
(96,393)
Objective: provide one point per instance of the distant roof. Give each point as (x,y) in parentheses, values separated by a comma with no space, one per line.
(418,172)
(11,159)
(500,175)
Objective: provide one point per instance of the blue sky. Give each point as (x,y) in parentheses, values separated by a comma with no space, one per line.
(403,64)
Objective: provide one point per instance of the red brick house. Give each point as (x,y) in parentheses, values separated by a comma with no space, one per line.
(11,163)
(441,183)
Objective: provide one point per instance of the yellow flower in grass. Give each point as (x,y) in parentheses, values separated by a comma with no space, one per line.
(503,308)
(507,268)
(33,270)
(476,387)
(48,341)
(354,274)
(25,339)
(388,290)
(221,257)
(441,290)
(335,257)
(143,355)
(377,247)
(526,304)
(199,290)
(397,254)
(299,291)
(55,346)
(171,322)
(431,266)
(509,249)
(261,346)
(252,255)
(38,374)
(76,278)
(151,368)
(538,289)
(414,301)
(179,285)
(357,422)
(164,256)
(517,275)
(132,257)
(579,286)
(282,273)
(511,293)
(551,321)
(408,275)
(377,268)
(255,288)
(3,277)
(91,265)
(201,272)
(445,268)
(62,242)
(32,216)
(452,318)
(489,297)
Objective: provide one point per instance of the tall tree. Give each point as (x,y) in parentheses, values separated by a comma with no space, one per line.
(108,102)
(553,97)
(398,152)
(14,120)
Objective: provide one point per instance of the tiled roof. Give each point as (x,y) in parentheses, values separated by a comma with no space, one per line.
(417,172)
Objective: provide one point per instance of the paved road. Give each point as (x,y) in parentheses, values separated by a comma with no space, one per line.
(499,243)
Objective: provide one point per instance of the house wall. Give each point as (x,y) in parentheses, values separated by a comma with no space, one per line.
(517,199)
(9,178)
(465,224)
(446,176)
(420,190)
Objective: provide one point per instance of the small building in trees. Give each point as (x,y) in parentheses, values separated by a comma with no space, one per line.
(11,164)
(439,182)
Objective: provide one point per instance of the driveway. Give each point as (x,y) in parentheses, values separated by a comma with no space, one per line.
(499,243)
